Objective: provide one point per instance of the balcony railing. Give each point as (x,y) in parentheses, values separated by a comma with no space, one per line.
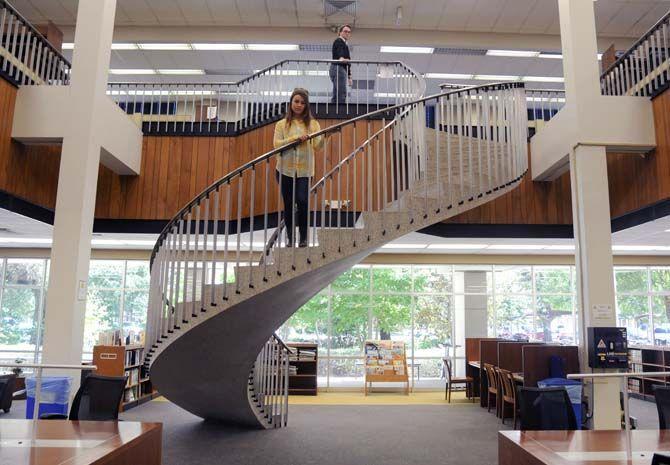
(206,108)
(643,70)
(26,56)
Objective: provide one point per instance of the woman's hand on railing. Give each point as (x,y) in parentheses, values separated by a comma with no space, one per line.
(304,137)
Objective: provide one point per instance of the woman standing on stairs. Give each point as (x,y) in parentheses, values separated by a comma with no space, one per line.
(295,166)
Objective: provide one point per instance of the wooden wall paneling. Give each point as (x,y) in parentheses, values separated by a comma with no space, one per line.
(161,210)
(510,355)
(662,122)
(173,178)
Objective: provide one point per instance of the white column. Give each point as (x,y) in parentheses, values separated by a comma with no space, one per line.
(470,311)
(590,196)
(77,183)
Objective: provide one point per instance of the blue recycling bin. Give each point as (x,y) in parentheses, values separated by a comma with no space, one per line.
(54,395)
(574,389)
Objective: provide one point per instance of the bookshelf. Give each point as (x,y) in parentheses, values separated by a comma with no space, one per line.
(303,369)
(646,359)
(126,361)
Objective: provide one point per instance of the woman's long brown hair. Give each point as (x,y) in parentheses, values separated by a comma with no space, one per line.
(306,114)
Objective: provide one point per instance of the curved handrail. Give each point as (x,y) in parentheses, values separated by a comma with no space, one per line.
(329,130)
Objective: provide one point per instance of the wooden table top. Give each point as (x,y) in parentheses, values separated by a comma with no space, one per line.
(54,442)
(586,447)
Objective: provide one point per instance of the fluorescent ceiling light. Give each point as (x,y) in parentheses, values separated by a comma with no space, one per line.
(273,47)
(555,56)
(637,248)
(600,56)
(516,247)
(394,49)
(457,246)
(124,46)
(122,242)
(164,46)
(25,240)
(131,71)
(495,77)
(181,71)
(447,76)
(542,79)
(218,46)
(404,246)
(67,46)
(560,247)
(546,99)
(513,53)
(276,92)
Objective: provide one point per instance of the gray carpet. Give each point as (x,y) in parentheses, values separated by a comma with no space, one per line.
(339,435)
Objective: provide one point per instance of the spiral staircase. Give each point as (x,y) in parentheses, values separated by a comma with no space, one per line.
(215,302)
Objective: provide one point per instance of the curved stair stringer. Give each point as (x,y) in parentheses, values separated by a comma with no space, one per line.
(218,387)
(218,333)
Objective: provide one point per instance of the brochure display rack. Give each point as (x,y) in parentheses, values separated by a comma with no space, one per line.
(385,362)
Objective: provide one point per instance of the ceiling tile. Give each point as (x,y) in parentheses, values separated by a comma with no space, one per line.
(485,15)
(540,17)
(253,12)
(456,14)
(195,12)
(167,12)
(310,12)
(139,12)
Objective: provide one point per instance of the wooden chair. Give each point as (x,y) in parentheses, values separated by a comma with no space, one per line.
(492,391)
(467,380)
(508,396)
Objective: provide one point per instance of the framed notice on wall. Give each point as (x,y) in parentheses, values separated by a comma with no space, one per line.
(385,362)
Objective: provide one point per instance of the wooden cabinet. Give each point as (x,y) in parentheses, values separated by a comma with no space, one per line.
(126,361)
(303,369)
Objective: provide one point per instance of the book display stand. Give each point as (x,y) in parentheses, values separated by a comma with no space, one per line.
(385,362)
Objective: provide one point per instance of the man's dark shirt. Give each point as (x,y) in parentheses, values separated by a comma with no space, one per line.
(341,50)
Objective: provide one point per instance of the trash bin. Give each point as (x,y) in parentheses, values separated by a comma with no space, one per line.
(54,395)
(574,389)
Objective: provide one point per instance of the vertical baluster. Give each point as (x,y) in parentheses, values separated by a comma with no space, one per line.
(185,314)
(10,27)
(215,233)
(240,187)
(266,189)
(3,20)
(486,133)
(196,250)
(226,229)
(459,127)
(205,235)
(20,57)
(251,225)
(384,199)
(339,193)
(28,75)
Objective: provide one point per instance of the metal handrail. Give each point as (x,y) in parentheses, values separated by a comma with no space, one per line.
(27,56)
(259,98)
(631,49)
(38,34)
(180,215)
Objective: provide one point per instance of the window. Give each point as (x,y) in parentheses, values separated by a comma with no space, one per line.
(118,293)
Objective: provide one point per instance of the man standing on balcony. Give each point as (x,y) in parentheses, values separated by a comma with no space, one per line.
(340,73)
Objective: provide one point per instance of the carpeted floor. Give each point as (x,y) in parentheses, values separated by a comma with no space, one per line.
(372,434)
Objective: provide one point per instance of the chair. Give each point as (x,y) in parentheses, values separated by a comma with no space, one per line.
(508,396)
(662,396)
(492,390)
(467,380)
(97,399)
(660,459)
(546,409)
(6,391)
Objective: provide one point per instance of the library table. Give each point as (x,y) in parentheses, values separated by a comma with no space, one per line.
(579,447)
(56,442)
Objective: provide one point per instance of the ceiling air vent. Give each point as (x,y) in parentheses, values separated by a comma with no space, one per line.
(458,51)
(315,47)
(339,11)
(363,84)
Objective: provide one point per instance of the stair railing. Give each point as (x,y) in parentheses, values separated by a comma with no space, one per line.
(643,70)
(268,382)
(26,56)
(386,161)
(543,105)
(212,108)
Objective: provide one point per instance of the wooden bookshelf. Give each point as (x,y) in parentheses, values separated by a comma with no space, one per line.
(126,361)
(647,359)
(304,364)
